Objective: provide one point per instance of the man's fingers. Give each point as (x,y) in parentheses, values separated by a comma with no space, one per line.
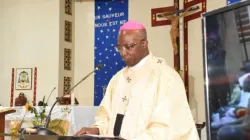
(76,134)
(82,131)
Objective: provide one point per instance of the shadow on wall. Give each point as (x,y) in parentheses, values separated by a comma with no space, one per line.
(192,100)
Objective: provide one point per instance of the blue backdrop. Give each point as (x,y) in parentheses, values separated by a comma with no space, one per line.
(232,1)
(109,16)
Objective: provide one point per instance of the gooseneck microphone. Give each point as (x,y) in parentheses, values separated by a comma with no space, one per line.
(50,95)
(46,131)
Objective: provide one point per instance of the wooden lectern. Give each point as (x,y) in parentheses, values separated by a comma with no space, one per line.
(4,112)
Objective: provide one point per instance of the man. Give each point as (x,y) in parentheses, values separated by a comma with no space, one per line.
(145,100)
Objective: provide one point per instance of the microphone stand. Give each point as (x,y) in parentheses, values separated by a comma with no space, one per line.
(44,130)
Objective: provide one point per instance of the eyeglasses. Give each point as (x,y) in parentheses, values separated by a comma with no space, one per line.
(127,46)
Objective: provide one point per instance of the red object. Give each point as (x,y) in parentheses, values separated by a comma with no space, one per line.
(12,87)
(35,86)
(156,11)
(20,100)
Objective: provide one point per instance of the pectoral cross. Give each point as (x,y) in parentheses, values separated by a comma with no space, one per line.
(124,99)
(128,79)
(159,61)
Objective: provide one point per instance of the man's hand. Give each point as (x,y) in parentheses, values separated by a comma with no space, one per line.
(86,130)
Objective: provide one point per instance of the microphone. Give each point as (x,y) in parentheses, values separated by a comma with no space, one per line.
(42,103)
(45,131)
(50,95)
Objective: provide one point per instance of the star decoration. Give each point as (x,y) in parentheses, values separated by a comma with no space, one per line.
(105,42)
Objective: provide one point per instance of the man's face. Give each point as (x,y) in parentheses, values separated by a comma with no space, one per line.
(131,46)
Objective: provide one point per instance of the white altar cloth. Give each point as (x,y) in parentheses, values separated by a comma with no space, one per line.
(78,116)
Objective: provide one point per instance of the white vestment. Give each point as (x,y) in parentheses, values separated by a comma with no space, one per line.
(152,98)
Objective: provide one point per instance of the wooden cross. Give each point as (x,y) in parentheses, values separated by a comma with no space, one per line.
(174,31)
(154,13)
(190,3)
(175,9)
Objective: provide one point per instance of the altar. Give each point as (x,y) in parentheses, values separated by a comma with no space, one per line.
(76,116)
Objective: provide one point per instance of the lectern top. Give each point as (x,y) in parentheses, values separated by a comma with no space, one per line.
(7,110)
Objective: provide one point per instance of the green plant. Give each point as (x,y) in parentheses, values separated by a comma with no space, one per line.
(40,117)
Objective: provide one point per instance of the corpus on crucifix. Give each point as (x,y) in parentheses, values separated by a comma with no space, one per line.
(174,31)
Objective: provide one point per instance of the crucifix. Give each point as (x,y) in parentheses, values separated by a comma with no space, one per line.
(162,13)
(156,22)
(174,31)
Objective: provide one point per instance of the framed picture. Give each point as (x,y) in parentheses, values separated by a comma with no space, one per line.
(23,79)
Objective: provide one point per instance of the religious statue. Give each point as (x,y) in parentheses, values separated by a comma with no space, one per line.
(174,31)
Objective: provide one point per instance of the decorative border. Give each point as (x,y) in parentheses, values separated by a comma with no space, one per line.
(68,7)
(185,34)
(35,86)
(12,86)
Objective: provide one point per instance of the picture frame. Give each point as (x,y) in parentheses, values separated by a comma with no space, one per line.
(23,80)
